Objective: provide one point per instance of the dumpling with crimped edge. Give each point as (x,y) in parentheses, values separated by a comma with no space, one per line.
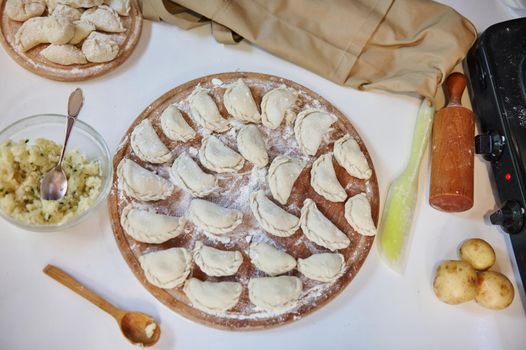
(251,145)
(58,30)
(324,181)
(147,145)
(216,262)
(322,267)
(214,218)
(348,154)
(282,174)
(275,105)
(100,48)
(310,127)
(272,217)
(358,215)
(166,268)
(275,294)
(71,13)
(41,30)
(148,226)
(186,174)
(240,104)
(142,184)
(218,157)
(104,18)
(212,297)
(22,10)
(175,126)
(204,111)
(320,230)
(30,34)
(65,55)
(82,30)
(270,260)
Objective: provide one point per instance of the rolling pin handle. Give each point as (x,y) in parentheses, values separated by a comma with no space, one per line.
(456,83)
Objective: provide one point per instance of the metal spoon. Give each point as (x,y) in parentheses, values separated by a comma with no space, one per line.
(54,183)
(140,329)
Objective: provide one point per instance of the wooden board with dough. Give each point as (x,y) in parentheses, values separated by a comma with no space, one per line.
(191,279)
(34,61)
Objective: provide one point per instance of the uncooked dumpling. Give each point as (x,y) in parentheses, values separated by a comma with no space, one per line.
(204,111)
(349,155)
(22,10)
(212,297)
(317,228)
(282,174)
(79,3)
(58,30)
(251,145)
(214,218)
(240,104)
(64,54)
(272,217)
(82,30)
(216,262)
(275,105)
(121,6)
(104,18)
(218,157)
(270,260)
(275,294)
(147,145)
(100,47)
(323,267)
(149,227)
(358,215)
(175,126)
(166,268)
(30,34)
(310,127)
(186,174)
(71,13)
(324,181)
(142,184)
(40,30)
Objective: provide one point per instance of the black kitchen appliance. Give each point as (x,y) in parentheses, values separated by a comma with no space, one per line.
(496,70)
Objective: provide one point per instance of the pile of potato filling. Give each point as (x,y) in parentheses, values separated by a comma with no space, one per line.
(22,165)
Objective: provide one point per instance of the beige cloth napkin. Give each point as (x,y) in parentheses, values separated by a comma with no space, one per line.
(403,46)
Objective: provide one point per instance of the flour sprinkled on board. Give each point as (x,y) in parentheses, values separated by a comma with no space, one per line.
(234,190)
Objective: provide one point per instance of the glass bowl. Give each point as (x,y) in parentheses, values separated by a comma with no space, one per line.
(83,137)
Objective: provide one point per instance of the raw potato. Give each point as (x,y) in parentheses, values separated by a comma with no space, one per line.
(478,253)
(494,290)
(455,282)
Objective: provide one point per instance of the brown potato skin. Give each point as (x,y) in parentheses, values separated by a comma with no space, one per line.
(455,282)
(478,253)
(494,290)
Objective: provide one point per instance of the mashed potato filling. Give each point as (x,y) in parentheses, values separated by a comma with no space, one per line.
(22,165)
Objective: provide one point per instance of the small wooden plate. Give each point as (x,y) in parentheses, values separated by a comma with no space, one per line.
(36,63)
(234,192)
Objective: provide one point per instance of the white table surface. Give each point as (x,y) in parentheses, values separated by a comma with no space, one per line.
(378,310)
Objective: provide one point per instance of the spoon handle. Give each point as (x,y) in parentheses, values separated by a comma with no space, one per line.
(68,281)
(75,101)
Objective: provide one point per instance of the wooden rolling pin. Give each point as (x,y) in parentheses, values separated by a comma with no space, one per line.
(452,155)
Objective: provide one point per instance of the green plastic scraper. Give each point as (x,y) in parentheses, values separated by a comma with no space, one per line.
(397,215)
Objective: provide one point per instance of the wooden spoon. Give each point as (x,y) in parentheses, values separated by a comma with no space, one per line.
(138,328)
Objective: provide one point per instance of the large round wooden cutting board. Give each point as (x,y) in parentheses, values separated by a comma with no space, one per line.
(234,192)
(33,61)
